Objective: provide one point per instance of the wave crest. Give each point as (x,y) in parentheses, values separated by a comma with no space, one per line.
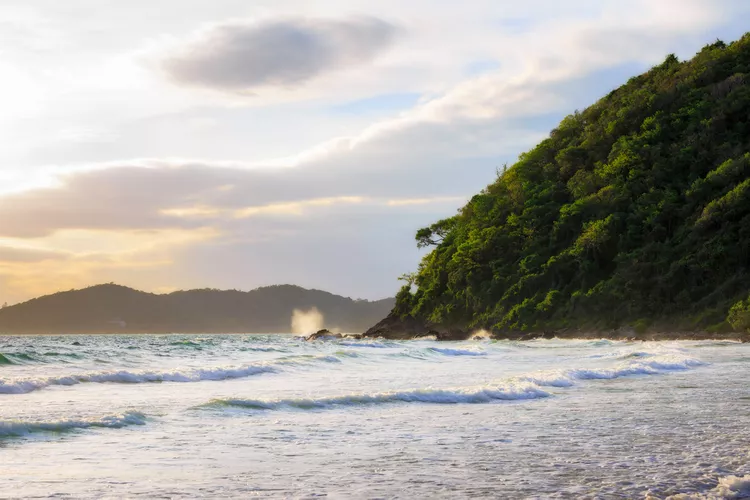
(19,428)
(456,352)
(510,392)
(24,386)
(638,366)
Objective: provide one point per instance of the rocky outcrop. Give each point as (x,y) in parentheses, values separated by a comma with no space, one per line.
(328,335)
(324,335)
(396,328)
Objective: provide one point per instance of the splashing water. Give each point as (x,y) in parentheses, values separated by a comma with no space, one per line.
(309,321)
(481,334)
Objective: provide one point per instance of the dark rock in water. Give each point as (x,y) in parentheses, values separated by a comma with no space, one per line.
(76,343)
(397,328)
(324,335)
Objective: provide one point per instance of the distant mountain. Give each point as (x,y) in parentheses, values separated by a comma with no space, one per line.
(117,309)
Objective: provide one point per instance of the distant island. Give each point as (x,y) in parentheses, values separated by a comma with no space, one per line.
(112,308)
(631,220)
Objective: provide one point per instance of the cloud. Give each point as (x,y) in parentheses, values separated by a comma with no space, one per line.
(12,254)
(237,57)
(341,215)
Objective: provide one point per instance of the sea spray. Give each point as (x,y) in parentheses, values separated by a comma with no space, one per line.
(308,321)
(481,334)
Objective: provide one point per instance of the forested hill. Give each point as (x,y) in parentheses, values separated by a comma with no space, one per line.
(634,212)
(113,308)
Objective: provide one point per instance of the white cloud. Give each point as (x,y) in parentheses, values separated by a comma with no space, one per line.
(238,57)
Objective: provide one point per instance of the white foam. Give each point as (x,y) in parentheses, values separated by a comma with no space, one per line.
(639,366)
(508,392)
(456,352)
(733,487)
(19,428)
(23,386)
(306,359)
(374,345)
(728,487)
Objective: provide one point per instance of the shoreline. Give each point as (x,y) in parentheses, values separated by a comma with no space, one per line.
(397,331)
(396,328)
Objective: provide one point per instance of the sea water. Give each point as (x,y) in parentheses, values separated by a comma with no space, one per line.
(256,416)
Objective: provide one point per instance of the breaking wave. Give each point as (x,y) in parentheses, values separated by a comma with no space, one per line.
(516,388)
(19,428)
(640,366)
(26,385)
(509,392)
(23,386)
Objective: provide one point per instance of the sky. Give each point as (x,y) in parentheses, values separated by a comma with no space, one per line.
(173,144)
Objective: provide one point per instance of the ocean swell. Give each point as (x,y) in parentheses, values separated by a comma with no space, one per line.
(26,385)
(639,366)
(509,392)
(19,428)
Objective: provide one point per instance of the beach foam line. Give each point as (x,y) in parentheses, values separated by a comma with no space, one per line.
(478,395)
(17,428)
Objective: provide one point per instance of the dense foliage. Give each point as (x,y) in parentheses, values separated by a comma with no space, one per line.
(635,211)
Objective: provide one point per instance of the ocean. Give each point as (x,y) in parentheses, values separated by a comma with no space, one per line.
(273,416)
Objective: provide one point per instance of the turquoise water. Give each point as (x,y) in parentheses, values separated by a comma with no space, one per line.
(273,416)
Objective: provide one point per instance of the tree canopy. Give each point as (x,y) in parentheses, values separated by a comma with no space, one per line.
(634,211)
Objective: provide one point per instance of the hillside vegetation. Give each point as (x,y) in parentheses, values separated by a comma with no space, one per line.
(113,308)
(634,212)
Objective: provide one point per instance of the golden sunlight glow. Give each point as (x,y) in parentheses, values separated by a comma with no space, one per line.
(86,242)
(80,257)
(424,201)
(295,208)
